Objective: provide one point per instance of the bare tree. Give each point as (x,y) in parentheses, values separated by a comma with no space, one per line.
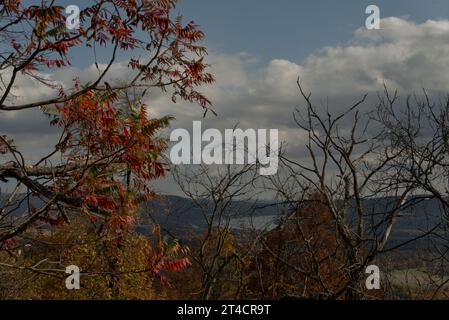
(420,127)
(349,162)
(223,195)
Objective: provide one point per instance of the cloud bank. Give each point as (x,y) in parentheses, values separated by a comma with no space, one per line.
(405,55)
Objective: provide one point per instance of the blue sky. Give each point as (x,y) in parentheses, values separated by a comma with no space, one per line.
(286,29)
(292,29)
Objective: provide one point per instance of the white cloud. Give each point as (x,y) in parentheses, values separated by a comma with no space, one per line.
(406,55)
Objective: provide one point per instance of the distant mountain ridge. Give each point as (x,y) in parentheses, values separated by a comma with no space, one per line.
(179,215)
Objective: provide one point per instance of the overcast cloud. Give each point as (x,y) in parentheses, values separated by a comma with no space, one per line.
(405,55)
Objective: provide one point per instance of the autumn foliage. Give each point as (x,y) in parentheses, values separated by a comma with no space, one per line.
(108,151)
(302,258)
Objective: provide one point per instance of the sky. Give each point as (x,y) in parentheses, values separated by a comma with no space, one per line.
(257,50)
(293,29)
